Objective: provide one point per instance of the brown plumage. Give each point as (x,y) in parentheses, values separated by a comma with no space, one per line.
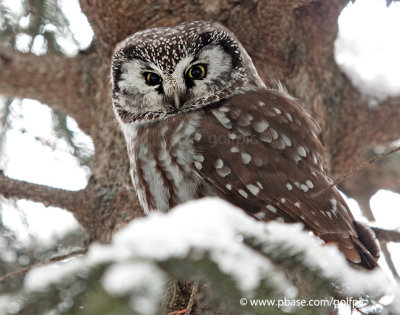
(224,134)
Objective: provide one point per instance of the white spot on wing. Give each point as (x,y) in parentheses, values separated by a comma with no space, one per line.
(304,187)
(279,144)
(198,157)
(288,186)
(261,126)
(289,116)
(297,158)
(260,215)
(224,121)
(274,133)
(287,140)
(253,189)
(218,164)
(258,162)
(243,193)
(246,158)
(315,159)
(224,109)
(271,208)
(244,131)
(224,171)
(266,137)
(302,151)
(232,136)
(244,120)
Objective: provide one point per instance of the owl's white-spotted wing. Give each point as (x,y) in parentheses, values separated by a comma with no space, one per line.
(261,152)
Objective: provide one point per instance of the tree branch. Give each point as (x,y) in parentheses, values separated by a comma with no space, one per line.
(69,200)
(383,174)
(81,203)
(390,263)
(356,125)
(387,235)
(60,82)
(356,169)
(41,263)
(386,115)
(112,21)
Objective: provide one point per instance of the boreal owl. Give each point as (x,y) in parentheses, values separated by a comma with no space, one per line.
(199,121)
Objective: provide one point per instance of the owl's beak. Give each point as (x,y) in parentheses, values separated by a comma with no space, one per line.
(174,93)
(177,101)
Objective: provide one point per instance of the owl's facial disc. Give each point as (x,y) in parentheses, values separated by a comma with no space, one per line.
(169,70)
(153,89)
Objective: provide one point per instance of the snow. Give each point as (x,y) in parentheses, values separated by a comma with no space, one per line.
(145,284)
(32,121)
(193,229)
(367,47)
(51,165)
(395,306)
(14,5)
(385,215)
(33,222)
(137,273)
(7,303)
(325,258)
(207,225)
(213,227)
(40,278)
(78,23)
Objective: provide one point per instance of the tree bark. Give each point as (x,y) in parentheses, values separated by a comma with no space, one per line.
(11,188)
(290,41)
(61,83)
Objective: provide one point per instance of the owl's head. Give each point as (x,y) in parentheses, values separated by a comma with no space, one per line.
(165,71)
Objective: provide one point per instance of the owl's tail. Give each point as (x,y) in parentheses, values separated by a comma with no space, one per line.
(366,245)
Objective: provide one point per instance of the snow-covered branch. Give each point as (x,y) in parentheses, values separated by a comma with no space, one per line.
(24,270)
(213,242)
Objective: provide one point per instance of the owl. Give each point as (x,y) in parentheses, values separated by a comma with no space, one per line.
(199,121)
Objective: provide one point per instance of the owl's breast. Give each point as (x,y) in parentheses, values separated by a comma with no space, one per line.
(162,157)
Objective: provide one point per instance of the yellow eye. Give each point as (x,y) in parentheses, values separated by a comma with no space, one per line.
(152,78)
(197,72)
